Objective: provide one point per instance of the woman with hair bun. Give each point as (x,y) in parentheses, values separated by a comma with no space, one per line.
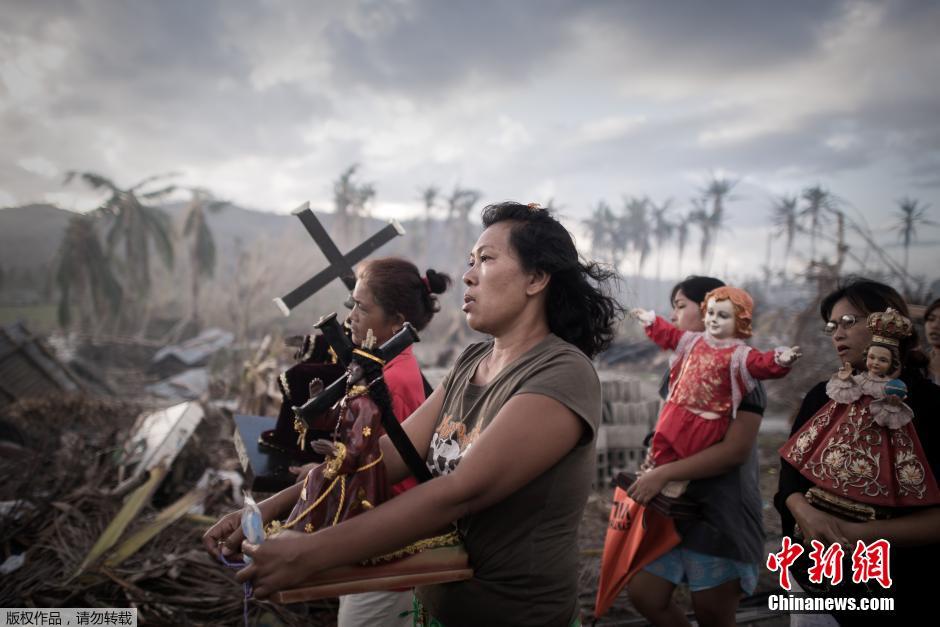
(508,437)
(389,292)
(932,331)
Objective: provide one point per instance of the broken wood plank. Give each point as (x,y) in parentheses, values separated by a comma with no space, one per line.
(132,506)
(163,520)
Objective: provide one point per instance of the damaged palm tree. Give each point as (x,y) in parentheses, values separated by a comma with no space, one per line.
(137,225)
(86,282)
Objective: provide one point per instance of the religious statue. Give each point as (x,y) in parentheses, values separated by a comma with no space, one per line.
(709,373)
(352,480)
(352,477)
(861,449)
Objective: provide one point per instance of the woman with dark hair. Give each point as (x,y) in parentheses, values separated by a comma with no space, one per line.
(508,435)
(687,297)
(389,292)
(720,553)
(914,533)
(932,331)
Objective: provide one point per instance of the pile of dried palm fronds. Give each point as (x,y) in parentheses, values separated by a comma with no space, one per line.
(83,549)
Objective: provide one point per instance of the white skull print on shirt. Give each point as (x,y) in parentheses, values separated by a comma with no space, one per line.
(448,445)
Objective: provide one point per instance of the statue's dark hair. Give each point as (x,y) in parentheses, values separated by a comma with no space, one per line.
(579,306)
(870,297)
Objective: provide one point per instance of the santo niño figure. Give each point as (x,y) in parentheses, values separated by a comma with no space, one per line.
(861,449)
(352,477)
(709,374)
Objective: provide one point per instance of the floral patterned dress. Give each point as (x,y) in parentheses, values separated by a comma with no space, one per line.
(708,378)
(861,447)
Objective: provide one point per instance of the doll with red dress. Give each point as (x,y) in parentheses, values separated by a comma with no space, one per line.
(709,373)
(861,449)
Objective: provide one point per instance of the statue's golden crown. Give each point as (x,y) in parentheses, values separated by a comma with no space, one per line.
(889,327)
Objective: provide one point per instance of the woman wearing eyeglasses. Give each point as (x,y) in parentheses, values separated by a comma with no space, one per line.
(914,533)
(932,330)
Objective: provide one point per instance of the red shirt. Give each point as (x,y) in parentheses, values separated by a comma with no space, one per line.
(405,386)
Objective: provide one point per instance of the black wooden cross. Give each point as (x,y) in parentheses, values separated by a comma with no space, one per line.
(341,266)
(328,397)
(333,332)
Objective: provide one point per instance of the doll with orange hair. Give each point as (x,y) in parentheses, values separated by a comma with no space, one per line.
(709,373)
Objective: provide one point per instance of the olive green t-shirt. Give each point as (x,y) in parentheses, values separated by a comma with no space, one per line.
(524,549)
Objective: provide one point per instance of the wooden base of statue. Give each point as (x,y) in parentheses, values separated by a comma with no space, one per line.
(265,467)
(842,507)
(431,566)
(678,507)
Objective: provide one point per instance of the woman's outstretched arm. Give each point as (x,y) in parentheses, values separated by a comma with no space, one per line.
(491,470)
(225,537)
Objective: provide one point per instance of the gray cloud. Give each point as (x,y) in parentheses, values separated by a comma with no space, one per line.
(581,100)
(436,45)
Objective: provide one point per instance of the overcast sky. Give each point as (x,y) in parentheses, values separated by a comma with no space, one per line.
(267,102)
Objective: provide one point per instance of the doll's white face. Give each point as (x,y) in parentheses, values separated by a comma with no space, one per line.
(719,318)
(878,361)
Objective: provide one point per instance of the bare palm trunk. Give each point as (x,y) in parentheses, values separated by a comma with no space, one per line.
(812,243)
(767,257)
(711,254)
(145,320)
(659,263)
(841,247)
(194,313)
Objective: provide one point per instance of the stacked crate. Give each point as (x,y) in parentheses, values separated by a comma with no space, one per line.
(630,411)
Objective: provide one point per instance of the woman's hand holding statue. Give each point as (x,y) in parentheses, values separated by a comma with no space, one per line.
(281,562)
(817,525)
(648,484)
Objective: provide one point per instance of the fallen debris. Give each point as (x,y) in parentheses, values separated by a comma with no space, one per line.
(190,384)
(57,506)
(12,564)
(28,369)
(132,506)
(192,352)
(157,438)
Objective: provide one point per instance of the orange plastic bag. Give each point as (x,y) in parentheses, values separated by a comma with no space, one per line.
(635,537)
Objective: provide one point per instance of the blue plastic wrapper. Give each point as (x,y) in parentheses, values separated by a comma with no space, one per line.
(252,523)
